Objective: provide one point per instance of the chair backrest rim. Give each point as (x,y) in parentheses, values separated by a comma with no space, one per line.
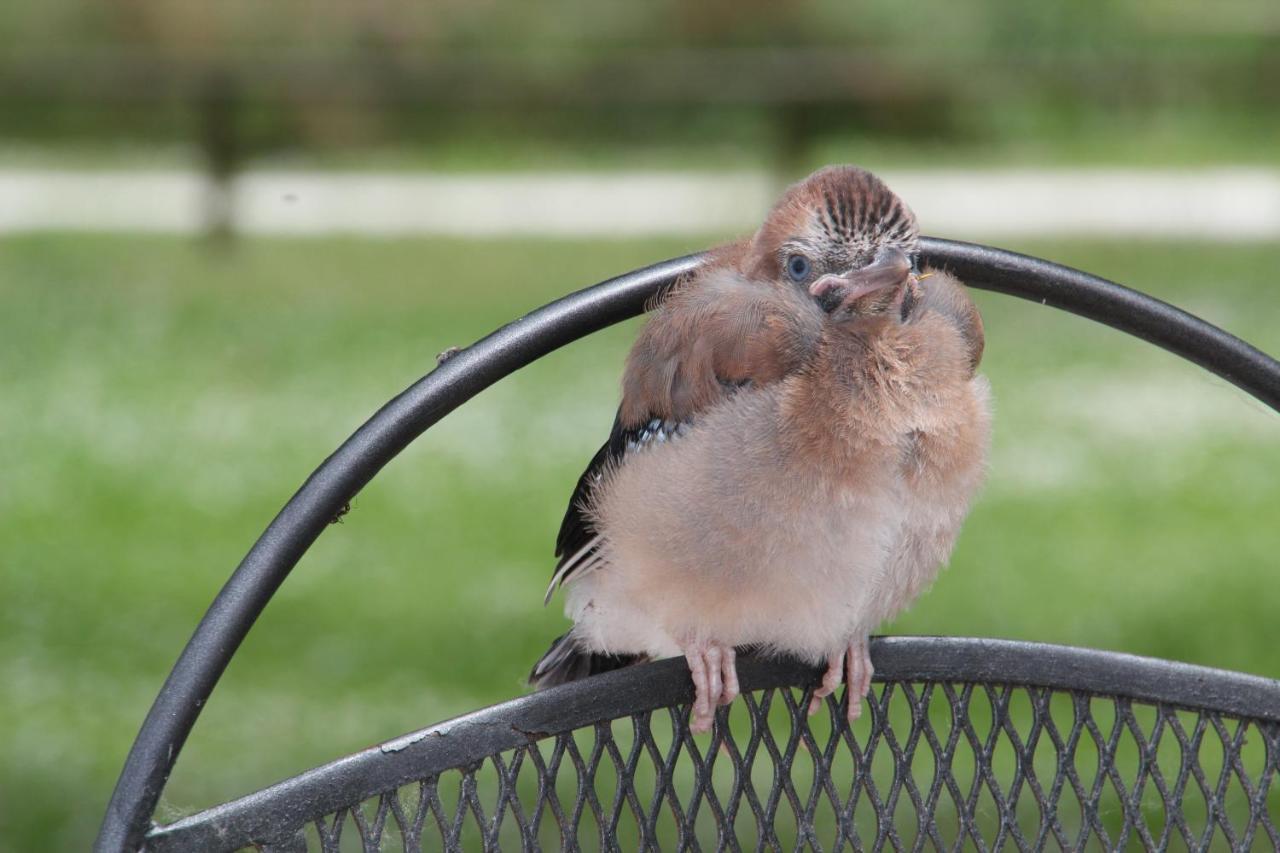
(340,477)
(471,738)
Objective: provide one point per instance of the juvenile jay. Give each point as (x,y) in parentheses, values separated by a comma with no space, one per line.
(800,435)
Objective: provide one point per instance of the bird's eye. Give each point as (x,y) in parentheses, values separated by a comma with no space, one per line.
(798,267)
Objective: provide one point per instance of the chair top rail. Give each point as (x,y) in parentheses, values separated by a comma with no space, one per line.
(469,739)
(340,477)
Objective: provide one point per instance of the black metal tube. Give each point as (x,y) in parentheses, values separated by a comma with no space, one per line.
(392,428)
(1113,305)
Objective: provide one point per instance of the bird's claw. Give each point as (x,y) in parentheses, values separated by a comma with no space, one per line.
(830,681)
(715,681)
(858,676)
(852,664)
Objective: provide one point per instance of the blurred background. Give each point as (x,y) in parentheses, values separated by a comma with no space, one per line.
(229,232)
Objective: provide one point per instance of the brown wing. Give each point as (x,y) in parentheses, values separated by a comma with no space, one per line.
(712,335)
(943,292)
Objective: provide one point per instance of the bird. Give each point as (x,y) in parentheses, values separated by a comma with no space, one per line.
(741,319)
(801,433)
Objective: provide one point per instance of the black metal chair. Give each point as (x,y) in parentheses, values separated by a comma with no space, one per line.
(968,743)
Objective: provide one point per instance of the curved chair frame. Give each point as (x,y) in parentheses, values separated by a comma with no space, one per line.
(233,612)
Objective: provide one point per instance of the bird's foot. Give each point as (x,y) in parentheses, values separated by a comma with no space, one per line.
(715,680)
(854,665)
(858,676)
(830,681)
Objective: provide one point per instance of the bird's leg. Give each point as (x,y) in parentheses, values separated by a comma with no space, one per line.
(860,670)
(729,668)
(715,680)
(830,681)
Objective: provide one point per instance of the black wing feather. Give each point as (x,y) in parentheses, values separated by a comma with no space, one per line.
(576,529)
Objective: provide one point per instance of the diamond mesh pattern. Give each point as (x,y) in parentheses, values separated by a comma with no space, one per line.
(931,766)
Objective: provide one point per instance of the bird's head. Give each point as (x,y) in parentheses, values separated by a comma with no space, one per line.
(843,236)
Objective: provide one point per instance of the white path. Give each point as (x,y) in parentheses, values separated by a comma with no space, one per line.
(1218,204)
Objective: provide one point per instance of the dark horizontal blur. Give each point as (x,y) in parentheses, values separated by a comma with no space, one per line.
(302,75)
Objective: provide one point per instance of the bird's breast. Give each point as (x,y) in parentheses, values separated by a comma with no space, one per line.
(722,530)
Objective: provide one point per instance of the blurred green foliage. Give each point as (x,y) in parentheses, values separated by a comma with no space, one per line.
(464,84)
(161,402)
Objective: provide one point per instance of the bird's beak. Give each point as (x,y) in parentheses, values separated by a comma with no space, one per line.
(891,268)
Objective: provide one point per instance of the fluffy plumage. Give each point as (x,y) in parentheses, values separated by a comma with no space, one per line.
(792,457)
(738,321)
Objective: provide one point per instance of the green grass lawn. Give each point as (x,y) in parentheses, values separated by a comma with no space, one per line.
(159,402)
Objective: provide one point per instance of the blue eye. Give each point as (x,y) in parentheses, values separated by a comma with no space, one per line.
(798,267)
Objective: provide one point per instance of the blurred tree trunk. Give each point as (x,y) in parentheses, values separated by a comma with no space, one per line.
(220,146)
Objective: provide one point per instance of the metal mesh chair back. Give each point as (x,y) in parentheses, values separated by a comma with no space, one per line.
(933,764)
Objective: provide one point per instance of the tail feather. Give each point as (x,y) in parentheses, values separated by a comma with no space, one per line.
(565,661)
